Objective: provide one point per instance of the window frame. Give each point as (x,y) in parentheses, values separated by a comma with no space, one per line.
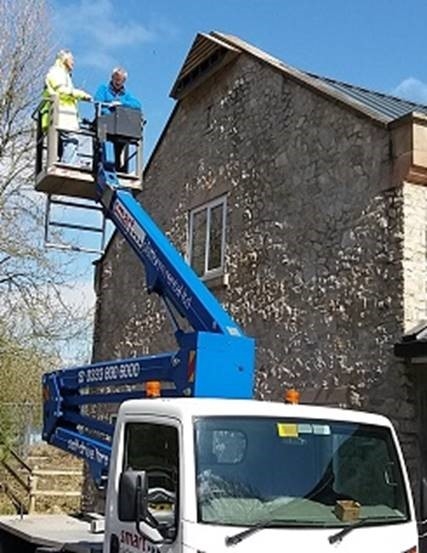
(208,207)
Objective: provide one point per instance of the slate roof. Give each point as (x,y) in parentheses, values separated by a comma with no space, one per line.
(385,104)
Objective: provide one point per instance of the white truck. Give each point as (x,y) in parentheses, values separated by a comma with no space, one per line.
(216,475)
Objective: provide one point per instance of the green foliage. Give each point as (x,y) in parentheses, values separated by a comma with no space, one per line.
(21,367)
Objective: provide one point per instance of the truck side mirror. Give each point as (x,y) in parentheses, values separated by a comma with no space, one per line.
(133,505)
(128,495)
(423,498)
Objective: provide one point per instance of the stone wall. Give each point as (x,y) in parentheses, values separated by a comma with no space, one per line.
(414,254)
(315,236)
(413,415)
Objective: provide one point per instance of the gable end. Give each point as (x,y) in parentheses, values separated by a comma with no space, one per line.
(206,56)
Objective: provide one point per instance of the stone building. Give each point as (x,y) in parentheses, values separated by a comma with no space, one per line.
(313,194)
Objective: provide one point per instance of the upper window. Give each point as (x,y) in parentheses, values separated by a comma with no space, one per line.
(207,238)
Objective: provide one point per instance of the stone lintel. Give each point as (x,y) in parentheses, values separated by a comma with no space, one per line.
(409,149)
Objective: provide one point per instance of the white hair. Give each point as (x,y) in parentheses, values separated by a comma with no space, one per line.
(120,71)
(62,54)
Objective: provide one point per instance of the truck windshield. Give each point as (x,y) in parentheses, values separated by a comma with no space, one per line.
(296,472)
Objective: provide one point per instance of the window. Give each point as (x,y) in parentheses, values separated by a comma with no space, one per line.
(149,446)
(154,449)
(207,238)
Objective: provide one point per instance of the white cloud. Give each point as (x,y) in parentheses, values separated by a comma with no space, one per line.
(116,35)
(79,295)
(412,89)
(98,60)
(98,30)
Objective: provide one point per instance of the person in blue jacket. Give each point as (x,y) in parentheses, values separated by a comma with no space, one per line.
(115,94)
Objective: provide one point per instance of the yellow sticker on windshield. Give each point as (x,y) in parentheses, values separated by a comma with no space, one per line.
(286,430)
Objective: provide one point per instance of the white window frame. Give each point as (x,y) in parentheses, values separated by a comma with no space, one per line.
(206,274)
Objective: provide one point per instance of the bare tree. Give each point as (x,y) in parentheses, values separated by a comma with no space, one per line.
(24,51)
(31,280)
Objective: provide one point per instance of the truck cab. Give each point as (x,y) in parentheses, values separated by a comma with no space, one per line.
(210,475)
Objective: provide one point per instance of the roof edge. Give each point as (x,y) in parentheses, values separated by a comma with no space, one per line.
(303,78)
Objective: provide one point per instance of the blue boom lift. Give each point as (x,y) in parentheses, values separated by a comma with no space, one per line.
(213,359)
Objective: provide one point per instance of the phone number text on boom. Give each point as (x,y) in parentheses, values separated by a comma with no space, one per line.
(109,373)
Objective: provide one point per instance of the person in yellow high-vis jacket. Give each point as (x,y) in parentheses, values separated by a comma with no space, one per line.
(58,82)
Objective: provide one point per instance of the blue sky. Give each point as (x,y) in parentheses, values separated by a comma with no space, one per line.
(378,44)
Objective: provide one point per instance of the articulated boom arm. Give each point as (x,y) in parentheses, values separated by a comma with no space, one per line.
(166,271)
(214,359)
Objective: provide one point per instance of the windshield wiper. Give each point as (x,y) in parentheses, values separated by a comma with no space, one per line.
(357,523)
(237,538)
